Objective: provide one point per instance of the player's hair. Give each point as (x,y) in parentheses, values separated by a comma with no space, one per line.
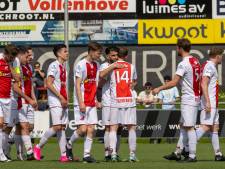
(29,47)
(185,44)
(111,49)
(94,46)
(167,77)
(57,48)
(22,49)
(37,63)
(11,50)
(123,52)
(214,51)
(148,84)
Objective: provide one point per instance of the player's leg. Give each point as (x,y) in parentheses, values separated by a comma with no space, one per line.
(80,120)
(119,133)
(206,120)
(88,144)
(180,148)
(189,114)
(92,120)
(56,114)
(132,139)
(114,123)
(10,117)
(2,155)
(19,143)
(25,135)
(105,122)
(106,143)
(131,122)
(25,132)
(215,138)
(61,135)
(30,117)
(4,110)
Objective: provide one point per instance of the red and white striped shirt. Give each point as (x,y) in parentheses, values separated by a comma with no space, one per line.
(5,78)
(189,70)
(88,72)
(209,70)
(58,72)
(120,86)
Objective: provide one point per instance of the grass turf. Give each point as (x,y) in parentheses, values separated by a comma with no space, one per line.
(150,156)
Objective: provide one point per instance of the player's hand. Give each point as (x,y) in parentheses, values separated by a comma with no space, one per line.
(63,102)
(33,103)
(208,107)
(155,91)
(82,107)
(98,105)
(36,107)
(118,66)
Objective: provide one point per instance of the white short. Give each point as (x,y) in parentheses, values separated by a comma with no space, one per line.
(26,114)
(127,116)
(11,117)
(210,118)
(87,118)
(59,115)
(188,115)
(5,105)
(106,116)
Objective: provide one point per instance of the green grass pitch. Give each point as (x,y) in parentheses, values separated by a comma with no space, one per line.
(150,156)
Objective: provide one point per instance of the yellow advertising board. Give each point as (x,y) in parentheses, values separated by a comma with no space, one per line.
(199,31)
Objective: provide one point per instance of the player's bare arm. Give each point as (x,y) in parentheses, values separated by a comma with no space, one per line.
(106,71)
(169,85)
(79,95)
(50,86)
(33,96)
(204,86)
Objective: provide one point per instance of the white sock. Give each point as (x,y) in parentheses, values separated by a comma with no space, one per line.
(215,143)
(192,141)
(5,142)
(73,138)
(185,139)
(118,142)
(19,144)
(27,143)
(200,132)
(132,141)
(49,133)
(112,142)
(61,135)
(87,146)
(106,143)
(180,146)
(1,139)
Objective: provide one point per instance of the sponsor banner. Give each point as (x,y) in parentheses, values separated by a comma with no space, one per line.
(202,31)
(174,9)
(219,9)
(20,10)
(80,32)
(150,123)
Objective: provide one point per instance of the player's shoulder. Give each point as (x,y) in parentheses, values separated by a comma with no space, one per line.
(81,63)
(54,65)
(104,66)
